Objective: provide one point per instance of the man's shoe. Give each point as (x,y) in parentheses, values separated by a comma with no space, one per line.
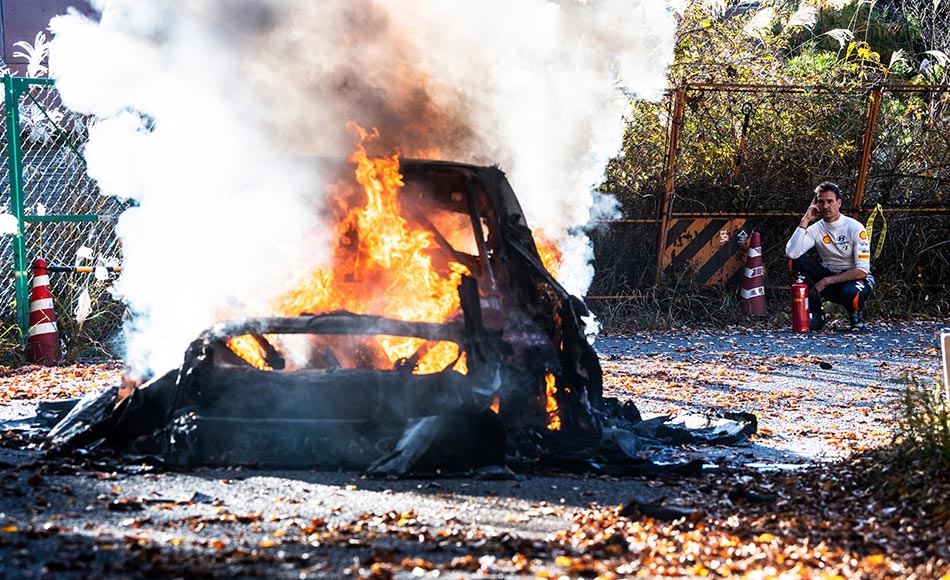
(857,321)
(816,323)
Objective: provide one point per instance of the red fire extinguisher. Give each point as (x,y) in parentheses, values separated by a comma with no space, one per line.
(800,306)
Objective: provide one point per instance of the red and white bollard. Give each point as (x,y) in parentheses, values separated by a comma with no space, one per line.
(42,341)
(752,293)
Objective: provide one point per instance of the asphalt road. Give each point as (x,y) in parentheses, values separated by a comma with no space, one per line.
(817,396)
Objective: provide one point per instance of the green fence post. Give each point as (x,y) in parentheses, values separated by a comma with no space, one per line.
(12,90)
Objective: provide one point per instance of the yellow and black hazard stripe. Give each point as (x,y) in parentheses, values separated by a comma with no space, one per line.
(710,247)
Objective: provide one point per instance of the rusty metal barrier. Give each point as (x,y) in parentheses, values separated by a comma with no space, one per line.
(742,157)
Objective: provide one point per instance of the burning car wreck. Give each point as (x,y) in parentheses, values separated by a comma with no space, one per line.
(502,375)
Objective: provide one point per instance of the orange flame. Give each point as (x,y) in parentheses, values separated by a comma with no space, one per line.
(495,403)
(549,251)
(248,348)
(554,419)
(382,265)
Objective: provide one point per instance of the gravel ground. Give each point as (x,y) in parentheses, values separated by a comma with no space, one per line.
(818,398)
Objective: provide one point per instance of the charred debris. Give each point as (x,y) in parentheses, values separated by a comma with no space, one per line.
(528,396)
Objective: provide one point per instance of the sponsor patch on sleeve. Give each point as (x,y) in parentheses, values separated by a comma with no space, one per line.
(826,239)
(864,256)
(864,235)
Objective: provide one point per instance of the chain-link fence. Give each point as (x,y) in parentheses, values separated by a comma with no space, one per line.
(698,171)
(61,216)
(708,165)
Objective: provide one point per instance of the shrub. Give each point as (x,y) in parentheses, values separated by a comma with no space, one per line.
(923,425)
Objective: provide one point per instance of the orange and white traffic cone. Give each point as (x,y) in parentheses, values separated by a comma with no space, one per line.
(752,294)
(42,341)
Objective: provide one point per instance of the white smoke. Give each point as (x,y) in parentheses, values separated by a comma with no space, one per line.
(200,105)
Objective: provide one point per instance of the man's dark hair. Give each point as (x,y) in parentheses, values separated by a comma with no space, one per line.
(829,186)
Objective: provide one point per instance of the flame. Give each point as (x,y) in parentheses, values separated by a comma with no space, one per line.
(248,348)
(549,251)
(461,365)
(496,403)
(428,153)
(554,419)
(382,265)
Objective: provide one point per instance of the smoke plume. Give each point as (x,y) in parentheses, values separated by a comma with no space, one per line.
(202,106)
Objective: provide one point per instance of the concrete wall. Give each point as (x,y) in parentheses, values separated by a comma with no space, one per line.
(22,19)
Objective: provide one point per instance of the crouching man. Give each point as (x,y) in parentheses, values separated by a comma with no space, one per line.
(844,274)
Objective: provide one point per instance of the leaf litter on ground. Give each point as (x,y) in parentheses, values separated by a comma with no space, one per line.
(870,513)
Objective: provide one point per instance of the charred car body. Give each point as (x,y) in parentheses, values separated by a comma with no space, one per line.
(530,385)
